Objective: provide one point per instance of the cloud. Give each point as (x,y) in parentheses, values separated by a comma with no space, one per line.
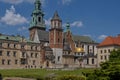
(11,18)
(66,1)
(102,37)
(87,35)
(22,28)
(20,1)
(77,24)
(48,22)
(13,1)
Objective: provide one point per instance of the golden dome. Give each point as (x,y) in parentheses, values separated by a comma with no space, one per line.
(79,50)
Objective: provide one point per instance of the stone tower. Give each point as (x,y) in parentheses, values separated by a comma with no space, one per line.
(56,38)
(37,22)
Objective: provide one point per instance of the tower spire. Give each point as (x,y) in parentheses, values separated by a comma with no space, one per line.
(37,16)
(37,5)
(67,26)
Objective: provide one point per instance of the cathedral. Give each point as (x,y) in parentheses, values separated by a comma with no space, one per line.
(53,48)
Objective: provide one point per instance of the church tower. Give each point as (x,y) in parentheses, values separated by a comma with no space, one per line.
(56,37)
(37,22)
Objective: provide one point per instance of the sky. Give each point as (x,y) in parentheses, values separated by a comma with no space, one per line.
(95,18)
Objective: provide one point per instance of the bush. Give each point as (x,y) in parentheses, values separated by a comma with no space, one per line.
(71,77)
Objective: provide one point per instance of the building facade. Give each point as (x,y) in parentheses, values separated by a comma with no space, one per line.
(47,49)
(17,52)
(104,48)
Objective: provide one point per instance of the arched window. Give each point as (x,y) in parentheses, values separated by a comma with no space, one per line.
(39,19)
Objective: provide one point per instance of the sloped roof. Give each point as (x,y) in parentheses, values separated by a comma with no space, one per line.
(110,41)
(47,48)
(13,38)
(82,39)
(43,35)
(56,16)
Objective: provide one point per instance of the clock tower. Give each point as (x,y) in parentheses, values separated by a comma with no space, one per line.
(37,22)
(56,38)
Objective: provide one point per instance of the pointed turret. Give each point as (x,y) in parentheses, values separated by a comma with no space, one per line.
(67,26)
(56,22)
(56,16)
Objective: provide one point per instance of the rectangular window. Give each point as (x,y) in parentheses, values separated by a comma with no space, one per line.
(101,51)
(0,44)
(23,61)
(36,55)
(88,49)
(33,62)
(14,53)
(23,54)
(0,53)
(101,57)
(14,45)
(58,58)
(3,61)
(8,53)
(9,62)
(105,57)
(92,61)
(8,45)
(87,61)
(31,54)
(16,61)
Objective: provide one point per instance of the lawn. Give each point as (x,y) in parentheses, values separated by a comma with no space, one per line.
(40,73)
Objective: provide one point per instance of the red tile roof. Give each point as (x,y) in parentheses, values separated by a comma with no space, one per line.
(110,41)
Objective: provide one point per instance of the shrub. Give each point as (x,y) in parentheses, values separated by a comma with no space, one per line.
(71,77)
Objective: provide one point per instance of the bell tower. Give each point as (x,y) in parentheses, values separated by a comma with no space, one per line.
(56,38)
(56,32)
(37,22)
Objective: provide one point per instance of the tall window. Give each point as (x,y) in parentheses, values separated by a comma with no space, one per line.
(39,19)
(8,62)
(88,49)
(16,61)
(33,62)
(105,51)
(31,54)
(105,57)
(87,61)
(8,53)
(14,45)
(0,53)
(8,45)
(3,61)
(58,58)
(101,57)
(101,51)
(0,44)
(23,54)
(14,53)
(92,61)
(36,55)
(58,40)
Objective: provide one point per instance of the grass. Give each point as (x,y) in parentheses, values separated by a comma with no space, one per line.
(40,73)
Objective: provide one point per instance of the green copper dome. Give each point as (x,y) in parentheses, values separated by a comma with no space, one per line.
(37,16)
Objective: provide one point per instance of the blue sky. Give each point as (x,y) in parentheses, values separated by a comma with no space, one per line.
(94,18)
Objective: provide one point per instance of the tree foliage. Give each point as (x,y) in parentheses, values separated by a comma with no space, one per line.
(110,70)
